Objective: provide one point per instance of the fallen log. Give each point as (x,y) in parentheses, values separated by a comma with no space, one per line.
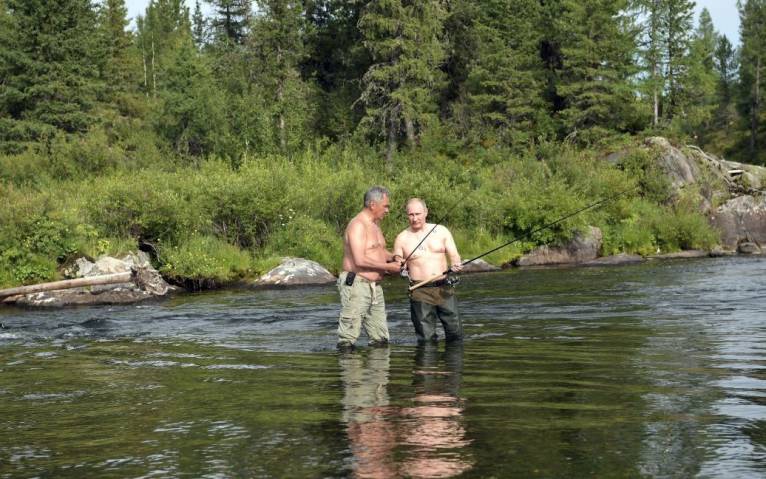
(126,277)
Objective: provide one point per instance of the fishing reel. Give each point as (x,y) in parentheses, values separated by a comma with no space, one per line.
(452,279)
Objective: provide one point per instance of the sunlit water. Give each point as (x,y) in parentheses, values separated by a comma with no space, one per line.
(655,370)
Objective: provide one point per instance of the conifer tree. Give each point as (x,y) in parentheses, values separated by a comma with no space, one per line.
(700,88)
(199,26)
(51,78)
(119,66)
(277,48)
(650,53)
(752,73)
(160,32)
(504,85)
(725,64)
(192,116)
(677,35)
(231,19)
(336,58)
(597,48)
(404,38)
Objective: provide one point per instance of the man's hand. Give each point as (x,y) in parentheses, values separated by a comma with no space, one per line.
(456,268)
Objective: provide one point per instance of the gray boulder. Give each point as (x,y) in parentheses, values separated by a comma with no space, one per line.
(688,254)
(747,247)
(741,220)
(296,272)
(479,266)
(615,260)
(585,246)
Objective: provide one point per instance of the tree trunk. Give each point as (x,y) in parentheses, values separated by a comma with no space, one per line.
(755,109)
(410,129)
(391,142)
(69,283)
(154,72)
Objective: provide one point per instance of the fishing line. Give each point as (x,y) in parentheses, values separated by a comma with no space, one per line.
(528,234)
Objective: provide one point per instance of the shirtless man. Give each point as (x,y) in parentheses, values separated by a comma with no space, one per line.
(365,261)
(436,299)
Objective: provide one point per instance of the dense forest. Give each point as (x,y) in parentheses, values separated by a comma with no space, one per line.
(221,142)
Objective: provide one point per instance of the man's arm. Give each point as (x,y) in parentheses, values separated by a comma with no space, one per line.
(451,248)
(357,242)
(397,254)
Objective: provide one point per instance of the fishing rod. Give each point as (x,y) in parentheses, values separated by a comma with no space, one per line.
(526,235)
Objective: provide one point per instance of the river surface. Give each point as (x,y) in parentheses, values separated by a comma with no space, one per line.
(651,370)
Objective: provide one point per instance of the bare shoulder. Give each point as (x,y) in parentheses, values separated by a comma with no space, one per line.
(442,231)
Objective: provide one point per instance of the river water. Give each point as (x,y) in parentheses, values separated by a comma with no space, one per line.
(651,370)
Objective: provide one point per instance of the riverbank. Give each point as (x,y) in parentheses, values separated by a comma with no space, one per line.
(212,225)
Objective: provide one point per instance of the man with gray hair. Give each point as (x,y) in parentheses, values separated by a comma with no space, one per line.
(365,261)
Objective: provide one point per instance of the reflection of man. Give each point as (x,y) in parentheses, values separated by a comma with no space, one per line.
(433,428)
(428,259)
(365,260)
(424,440)
(365,406)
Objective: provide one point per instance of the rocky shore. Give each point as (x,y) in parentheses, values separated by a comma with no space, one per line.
(731,196)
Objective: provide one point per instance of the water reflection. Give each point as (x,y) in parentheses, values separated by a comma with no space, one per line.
(426,438)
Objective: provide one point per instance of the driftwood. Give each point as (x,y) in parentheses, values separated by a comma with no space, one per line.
(142,277)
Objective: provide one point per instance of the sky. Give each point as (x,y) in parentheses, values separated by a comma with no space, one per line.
(724,14)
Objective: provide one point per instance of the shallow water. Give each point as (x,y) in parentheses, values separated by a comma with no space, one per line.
(652,370)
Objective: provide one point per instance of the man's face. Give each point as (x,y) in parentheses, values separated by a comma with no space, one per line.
(379,209)
(416,214)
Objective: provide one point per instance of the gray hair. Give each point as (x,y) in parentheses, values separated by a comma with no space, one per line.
(412,200)
(376,194)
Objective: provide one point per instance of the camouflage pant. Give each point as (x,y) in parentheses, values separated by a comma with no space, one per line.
(362,305)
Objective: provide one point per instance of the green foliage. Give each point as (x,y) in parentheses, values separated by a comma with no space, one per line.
(304,237)
(49,59)
(642,165)
(645,229)
(35,237)
(204,261)
(596,61)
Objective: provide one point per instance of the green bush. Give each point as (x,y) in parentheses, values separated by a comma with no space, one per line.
(304,237)
(204,261)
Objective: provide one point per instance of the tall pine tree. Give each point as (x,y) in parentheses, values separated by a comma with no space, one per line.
(504,85)
(700,88)
(50,75)
(404,38)
(725,65)
(597,48)
(119,66)
(752,74)
(278,48)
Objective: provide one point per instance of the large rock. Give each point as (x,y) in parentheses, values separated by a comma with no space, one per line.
(583,247)
(677,166)
(741,220)
(295,272)
(615,260)
(479,266)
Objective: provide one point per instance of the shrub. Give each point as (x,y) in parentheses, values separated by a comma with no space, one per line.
(305,237)
(204,261)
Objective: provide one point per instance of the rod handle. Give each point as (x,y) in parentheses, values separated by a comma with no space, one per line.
(426,281)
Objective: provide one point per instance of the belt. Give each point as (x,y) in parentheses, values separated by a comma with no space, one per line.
(373,287)
(432,284)
(359,277)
